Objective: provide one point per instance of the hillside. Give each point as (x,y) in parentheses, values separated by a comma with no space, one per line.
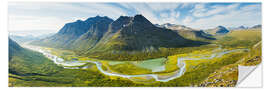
(220,30)
(124,35)
(138,34)
(31,69)
(26,62)
(238,28)
(188,33)
(78,35)
(22,39)
(256,27)
(175,27)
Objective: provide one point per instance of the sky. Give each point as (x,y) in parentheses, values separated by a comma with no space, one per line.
(24,16)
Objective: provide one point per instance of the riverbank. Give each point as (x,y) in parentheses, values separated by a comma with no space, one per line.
(77,64)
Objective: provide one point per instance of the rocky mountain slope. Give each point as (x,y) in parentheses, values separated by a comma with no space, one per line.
(220,30)
(137,33)
(187,32)
(77,34)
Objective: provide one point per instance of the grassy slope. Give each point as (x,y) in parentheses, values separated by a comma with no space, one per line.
(240,38)
(195,35)
(31,69)
(228,75)
(26,62)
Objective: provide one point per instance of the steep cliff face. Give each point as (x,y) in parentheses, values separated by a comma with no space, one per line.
(220,30)
(93,35)
(139,34)
(79,34)
(102,34)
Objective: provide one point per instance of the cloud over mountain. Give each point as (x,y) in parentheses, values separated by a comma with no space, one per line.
(26,16)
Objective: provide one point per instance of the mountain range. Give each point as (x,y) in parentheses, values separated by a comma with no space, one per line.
(238,28)
(100,34)
(79,34)
(256,27)
(219,30)
(28,38)
(188,32)
(245,27)
(174,26)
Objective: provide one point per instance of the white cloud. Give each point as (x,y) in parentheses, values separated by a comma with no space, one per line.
(164,15)
(105,10)
(171,17)
(67,9)
(201,11)
(152,11)
(187,20)
(232,19)
(251,7)
(199,6)
(21,22)
(52,16)
(143,9)
(163,6)
(176,14)
(186,5)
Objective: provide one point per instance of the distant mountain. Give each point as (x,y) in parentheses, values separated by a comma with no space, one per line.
(22,39)
(34,33)
(79,34)
(220,30)
(26,62)
(102,34)
(256,27)
(139,34)
(195,35)
(239,28)
(28,38)
(175,27)
(188,32)
(246,28)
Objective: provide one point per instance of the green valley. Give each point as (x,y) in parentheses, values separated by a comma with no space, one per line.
(132,52)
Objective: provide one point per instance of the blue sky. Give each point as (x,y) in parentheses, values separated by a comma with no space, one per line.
(53,16)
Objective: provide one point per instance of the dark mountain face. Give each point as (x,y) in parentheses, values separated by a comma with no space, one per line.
(137,33)
(122,21)
(242,27)
(13,48)
(72,34)
(188,32)
(74,29)
(202,35)
(93,35)
(238,28)
(80,27)
(141,21)
(124,34)
(256,27)
(220,30)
